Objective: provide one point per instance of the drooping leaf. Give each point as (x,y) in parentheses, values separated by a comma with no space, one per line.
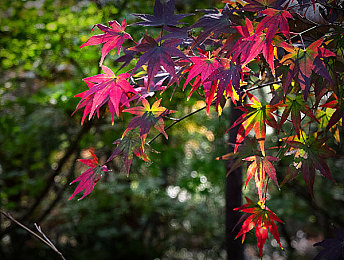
(310,154)
(255,116)
(263,219)
(163,15)
(302,62)
(89,178)
(147,116)
(103,88)
(128,146)
(113,37)
(294,105)
(333,247)
(157,55)
(258,168)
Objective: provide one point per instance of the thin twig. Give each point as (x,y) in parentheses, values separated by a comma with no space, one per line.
(177,121)
(44,240)
(309,29)
(263,85)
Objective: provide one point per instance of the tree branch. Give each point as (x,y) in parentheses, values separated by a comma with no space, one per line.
(263,85)
(177,120)
(43,239)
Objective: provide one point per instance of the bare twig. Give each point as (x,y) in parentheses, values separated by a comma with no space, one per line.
(263,85)
(43,239)
(177,120)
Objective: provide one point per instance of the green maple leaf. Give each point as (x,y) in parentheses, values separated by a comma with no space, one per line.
(294,105)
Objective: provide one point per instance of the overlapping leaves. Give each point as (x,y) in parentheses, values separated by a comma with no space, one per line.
(302,61)
(310,154)
(105,88)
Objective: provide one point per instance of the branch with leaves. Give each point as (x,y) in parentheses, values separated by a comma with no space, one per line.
(236,45)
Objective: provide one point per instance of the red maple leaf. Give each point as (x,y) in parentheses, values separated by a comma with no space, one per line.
(103,88)
(89,178)
(273,21)
(113,37)
(263,219)
(147,116)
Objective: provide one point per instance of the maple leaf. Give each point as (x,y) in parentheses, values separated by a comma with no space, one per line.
(333,247)
(302,62)
(103,88)
(113,37)
(128,146)
(294,105)
(310,154)
(263,219)
(251,44)
(163,15)
(147,116)
(203,66)
(157,55)
(273,21)
(258,168)
(89,178)
(255,116)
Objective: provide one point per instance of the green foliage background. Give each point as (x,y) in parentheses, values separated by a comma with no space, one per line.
(172,208)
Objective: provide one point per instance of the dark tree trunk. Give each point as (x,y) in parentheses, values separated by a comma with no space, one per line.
(234,246)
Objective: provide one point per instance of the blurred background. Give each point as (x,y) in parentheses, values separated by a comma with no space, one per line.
(171,208)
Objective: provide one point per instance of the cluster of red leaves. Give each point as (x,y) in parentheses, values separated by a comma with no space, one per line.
(219,63)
